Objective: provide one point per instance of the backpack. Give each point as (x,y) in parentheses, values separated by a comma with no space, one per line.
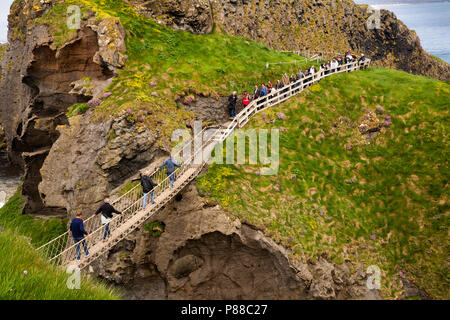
(147,184)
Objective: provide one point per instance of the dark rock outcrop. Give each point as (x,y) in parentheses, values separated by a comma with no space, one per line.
(209,109)
(37,82)
(90,159)
(193,15)
(319,25)
(2,137)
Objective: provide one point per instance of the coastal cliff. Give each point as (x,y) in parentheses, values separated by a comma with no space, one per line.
(46,69)
(84,111)
(317,25)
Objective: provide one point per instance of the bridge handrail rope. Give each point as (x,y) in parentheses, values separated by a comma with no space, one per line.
(96,236)
(131,203)
(53,247)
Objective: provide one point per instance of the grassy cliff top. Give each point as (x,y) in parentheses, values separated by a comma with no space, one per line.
(165,65)
(381,202)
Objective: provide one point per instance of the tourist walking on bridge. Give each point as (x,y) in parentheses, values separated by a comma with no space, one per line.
(107,211)
(300,75)
(278,85)
(170,164)
(245,99)
(147,186)
(269,87)
(285,81)
(362,59)
(256,93)
(78,233)
(232,100)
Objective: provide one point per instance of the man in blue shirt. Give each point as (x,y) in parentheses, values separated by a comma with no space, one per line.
(78,232)
(263,90)
(170,164)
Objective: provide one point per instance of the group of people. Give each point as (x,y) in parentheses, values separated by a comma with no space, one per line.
(339,60)
(269,88)
(79,234)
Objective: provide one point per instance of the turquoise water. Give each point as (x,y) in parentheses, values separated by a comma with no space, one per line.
(430,20)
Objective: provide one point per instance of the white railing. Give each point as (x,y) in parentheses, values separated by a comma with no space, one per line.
(277,96)
(61,250)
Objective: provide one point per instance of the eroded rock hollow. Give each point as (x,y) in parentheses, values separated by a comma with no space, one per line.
(205,254)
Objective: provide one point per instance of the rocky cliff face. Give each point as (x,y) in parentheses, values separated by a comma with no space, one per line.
(90,159)
(41,78)
(71,163)
(323,25)
(3,47)
(203,254)
(37,85)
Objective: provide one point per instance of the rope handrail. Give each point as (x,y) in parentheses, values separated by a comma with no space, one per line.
(133,214)
(97,233)
(89,222)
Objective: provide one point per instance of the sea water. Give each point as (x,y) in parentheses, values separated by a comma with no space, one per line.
(430,20)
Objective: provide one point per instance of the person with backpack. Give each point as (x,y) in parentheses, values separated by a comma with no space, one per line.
(147,187)
(78,233)
(170,164)
(107,211)
(232,100)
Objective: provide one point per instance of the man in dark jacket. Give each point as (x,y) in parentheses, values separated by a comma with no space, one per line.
(107,211)
(147,186)
(232,100)
(78,233)
(362,59)
(170,164)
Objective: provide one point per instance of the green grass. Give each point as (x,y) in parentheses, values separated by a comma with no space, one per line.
(76,109)
(155,228)
(128,187)
(39,230)
(43,281)
(394,213)
(178,62)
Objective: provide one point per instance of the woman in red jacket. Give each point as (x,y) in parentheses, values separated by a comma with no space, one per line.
(245,99)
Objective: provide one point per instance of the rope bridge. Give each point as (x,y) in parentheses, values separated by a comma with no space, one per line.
(62,250)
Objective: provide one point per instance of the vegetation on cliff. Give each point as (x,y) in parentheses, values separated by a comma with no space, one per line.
(25,274)
(380,199)
(165,66)
(38,230)
(373,198)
